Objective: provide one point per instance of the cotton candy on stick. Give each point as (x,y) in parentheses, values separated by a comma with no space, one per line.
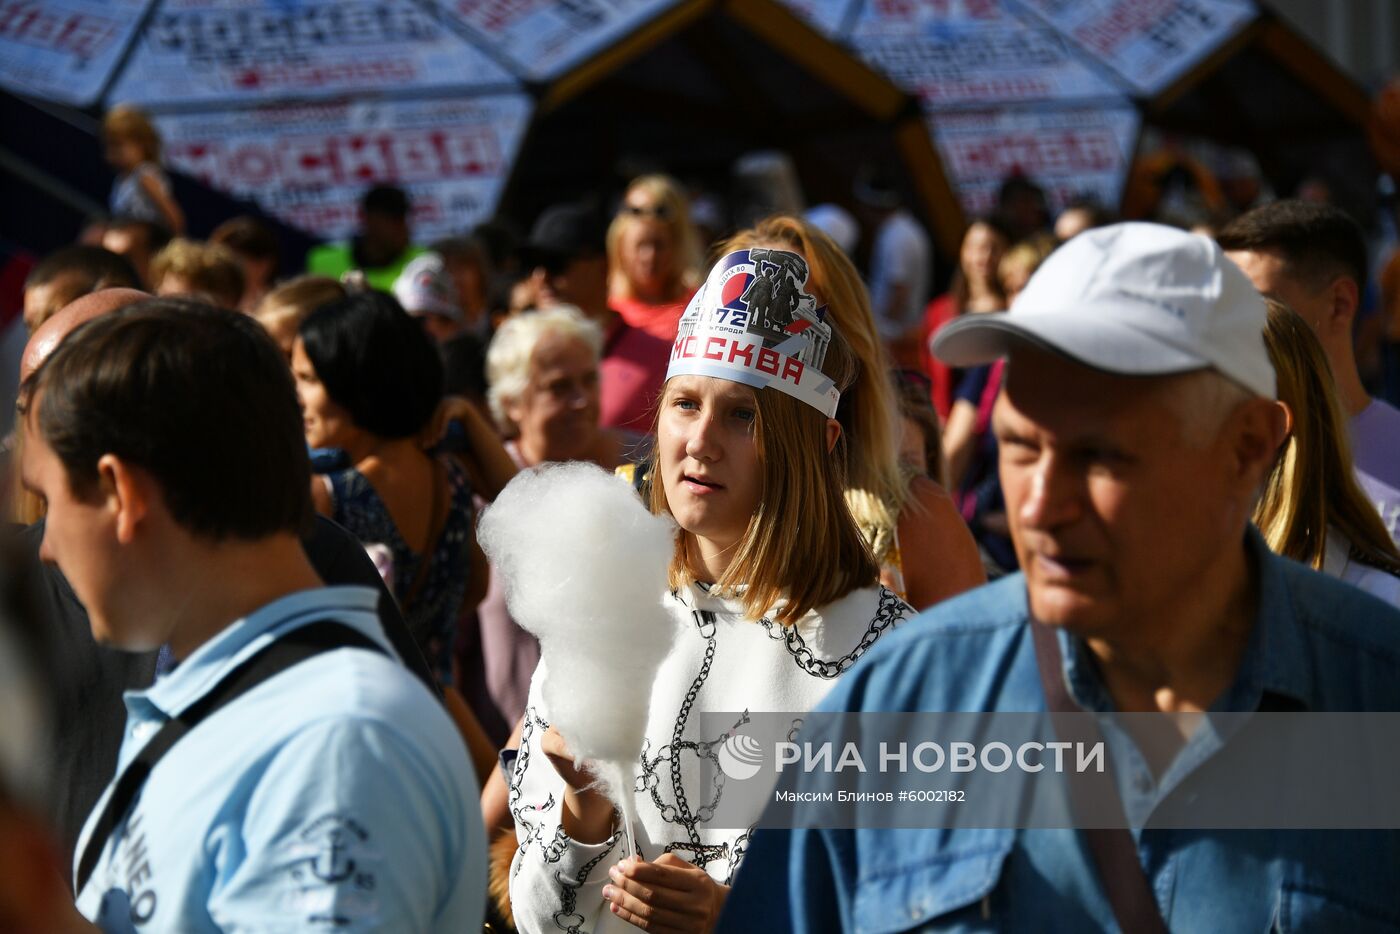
(584,567)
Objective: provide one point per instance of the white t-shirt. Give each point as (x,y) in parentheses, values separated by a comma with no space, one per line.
(1375,449)
(902,254)
(721,661)
(1336,562)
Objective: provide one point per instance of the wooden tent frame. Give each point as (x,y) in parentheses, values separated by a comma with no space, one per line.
(824,60)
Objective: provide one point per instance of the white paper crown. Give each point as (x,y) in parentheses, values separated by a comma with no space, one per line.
(753,322)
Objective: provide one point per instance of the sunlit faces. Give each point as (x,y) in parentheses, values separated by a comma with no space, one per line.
(439,327)
(709,458)
(557,414)
(647,255)
(80,536)
(981,252)
(124,154)
(174,284)
(1114,516)
(383,237)
(1268,271)
(913,446)
(325,423)
(580,281)
(42,301)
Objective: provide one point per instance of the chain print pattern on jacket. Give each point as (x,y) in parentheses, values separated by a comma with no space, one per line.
(522,761)
(650,780)
(567,918)
(891,610)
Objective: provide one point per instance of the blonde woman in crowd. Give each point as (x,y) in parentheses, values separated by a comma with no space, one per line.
(654,256)
(1312,509)
(923,547)
(206,271)
(282,310)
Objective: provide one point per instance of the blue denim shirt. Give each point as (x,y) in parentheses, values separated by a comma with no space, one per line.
(1317,645)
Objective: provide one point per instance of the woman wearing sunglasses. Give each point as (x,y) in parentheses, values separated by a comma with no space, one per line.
(653,256)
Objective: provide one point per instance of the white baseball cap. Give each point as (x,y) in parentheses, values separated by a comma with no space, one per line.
(425,288)
(1134,299)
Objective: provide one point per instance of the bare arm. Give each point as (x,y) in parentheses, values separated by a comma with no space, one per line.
(478,573)
(959,442)
(487,463)
(479,746)
(321,496)
(939,554)
(587,814)
(495,797)
(169,210)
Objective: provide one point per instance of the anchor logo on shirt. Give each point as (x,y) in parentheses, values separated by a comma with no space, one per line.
(335,840)
(335,864)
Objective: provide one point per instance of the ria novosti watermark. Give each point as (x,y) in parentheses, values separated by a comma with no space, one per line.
(1036,770)
(929,757)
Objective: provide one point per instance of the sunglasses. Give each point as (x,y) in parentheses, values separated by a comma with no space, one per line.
(661,212)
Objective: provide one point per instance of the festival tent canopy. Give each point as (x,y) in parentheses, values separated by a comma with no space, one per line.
(298,104)
(1060,90)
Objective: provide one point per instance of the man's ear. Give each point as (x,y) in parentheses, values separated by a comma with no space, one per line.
(1287,419)
(128,492)
(1261,425)
(1344,299)
(833,434)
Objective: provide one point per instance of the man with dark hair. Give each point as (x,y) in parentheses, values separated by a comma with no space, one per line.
(1312,257)
(255,244)
(382,248)
(251,790)
(567,252)
(88,695)
(69,273)
(139,241)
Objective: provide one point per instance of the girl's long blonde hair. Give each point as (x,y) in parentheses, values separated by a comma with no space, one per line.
(1312,486)
(801,548)
(877,489)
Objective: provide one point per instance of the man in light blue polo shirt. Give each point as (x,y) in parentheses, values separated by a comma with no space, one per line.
(1135,428)
(318,784)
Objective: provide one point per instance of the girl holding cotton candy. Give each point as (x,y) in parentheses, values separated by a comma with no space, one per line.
(761,598)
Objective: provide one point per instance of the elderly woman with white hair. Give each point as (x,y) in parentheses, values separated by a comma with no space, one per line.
(543,372)
(542,367)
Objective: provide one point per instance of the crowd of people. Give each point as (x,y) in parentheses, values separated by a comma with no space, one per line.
(1116,466)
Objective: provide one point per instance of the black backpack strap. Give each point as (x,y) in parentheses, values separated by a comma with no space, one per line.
(283,653)
(1114,852)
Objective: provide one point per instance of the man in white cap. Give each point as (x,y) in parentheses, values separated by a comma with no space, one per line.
(1136,424)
